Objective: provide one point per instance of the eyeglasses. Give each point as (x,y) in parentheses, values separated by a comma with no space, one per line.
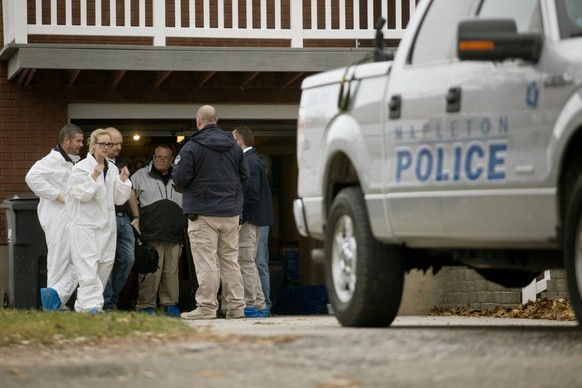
(115,144)
(105,145)
(162,158)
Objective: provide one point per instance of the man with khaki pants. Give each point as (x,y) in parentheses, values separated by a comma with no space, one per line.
(257,212)
(210,170)
(162,224)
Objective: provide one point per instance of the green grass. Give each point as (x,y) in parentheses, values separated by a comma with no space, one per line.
(38,327)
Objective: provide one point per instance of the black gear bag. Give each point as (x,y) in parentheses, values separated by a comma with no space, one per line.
(146,256)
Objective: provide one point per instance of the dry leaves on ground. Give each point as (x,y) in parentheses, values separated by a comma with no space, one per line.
(543,308)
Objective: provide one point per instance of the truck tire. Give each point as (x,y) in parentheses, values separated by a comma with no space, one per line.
(364,278)
(573,249)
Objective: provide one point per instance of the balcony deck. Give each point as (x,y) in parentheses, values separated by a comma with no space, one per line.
(195,35)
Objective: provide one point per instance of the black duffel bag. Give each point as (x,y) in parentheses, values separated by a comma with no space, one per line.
(146,256)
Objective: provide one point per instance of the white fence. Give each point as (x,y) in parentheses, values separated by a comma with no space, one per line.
(293,20)
(531,291)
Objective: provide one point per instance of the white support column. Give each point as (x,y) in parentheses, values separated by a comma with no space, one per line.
(68,13)
(221,14)
(83,7)
(371,21)
(38,10)
(20,22)
(398,14)
(297,24)
(249,14)
(142,14)
(277,14)
(98,18)
(127,13)
(206,12)
(235,14)
(264,15)
(342,14)
(8,24)
(412,8)
(314,14)
(178,13)
(328,14)
(53,12)
(193,13)
(159,12)
(356,15)
(385,11)
(113,13)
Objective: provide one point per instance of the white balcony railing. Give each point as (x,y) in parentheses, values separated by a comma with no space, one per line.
(293,20)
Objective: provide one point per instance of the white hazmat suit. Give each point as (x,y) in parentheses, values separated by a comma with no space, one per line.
(48,178)
(93,228)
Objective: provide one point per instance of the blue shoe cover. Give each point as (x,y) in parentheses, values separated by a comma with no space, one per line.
(148,310)
(251,312)
(173,311)
(264,313)
(50,299)
(93,311)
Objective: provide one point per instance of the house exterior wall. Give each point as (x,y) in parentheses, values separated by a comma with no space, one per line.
(31,117)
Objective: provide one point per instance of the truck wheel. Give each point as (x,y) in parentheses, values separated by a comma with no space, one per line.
(573,249)
(364,278)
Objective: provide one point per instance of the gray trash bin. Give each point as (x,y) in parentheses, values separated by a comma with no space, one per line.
(26,250)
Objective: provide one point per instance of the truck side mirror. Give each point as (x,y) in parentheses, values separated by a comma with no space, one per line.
(496,40)
(379,54)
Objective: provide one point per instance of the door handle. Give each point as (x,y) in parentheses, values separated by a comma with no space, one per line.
(394,106)
(454,99)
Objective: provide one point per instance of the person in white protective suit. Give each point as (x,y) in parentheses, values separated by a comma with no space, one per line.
(48,178)
(96,185)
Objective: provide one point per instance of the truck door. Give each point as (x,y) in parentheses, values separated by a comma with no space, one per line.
(505,188)
(470,143)
(418,139)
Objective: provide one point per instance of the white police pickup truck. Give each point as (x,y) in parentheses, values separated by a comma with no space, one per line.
(466,149)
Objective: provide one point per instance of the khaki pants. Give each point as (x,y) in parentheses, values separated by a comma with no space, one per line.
(214,243)
(248,242)
(164,281)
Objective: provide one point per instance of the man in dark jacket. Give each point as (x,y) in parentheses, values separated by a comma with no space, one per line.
(210,169)
(257,212)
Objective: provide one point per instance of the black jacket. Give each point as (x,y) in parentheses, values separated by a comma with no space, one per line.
(211,169)
(258,203)
(160,206)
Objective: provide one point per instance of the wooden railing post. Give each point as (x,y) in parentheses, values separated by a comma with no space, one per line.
(19,22)
(159,14)
(297,24)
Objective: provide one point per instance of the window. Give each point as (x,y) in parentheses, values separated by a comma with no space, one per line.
(570,18)
(435,40)
(526,13)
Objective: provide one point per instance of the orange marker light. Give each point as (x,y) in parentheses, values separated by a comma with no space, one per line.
(474,45)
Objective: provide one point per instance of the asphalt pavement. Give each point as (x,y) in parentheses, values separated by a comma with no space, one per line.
(323,324)
(316,352)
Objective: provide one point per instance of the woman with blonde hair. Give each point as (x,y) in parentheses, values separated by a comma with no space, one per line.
(96,185)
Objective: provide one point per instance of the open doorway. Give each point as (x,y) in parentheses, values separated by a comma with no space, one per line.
(275,141)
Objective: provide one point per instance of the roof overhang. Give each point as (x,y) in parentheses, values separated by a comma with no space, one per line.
(140,58)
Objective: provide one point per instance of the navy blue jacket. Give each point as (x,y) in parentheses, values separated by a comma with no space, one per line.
(258,204)
(211,169)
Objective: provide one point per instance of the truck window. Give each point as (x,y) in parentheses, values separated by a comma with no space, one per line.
(436,38)
(526,13)
(570,18)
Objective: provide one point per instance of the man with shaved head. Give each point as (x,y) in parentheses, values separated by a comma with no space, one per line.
(210,170)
